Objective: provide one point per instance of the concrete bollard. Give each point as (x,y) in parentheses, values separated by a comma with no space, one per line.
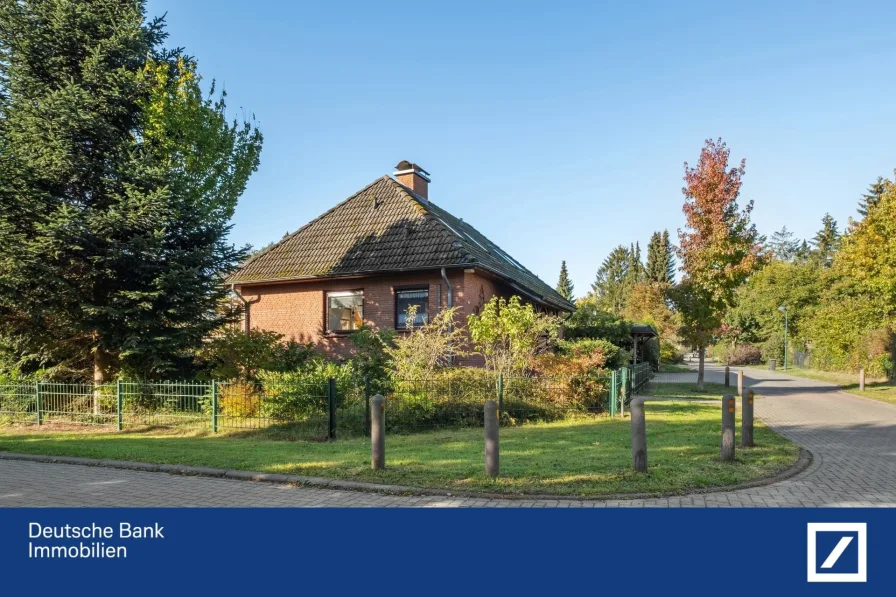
(727,378)
(740,383)
(746,424)
(862,379)
(728,428)
(492,464)
(378,432)
(771,364)
(639,435)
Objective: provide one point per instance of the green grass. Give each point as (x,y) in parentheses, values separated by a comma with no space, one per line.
(670,368)
(876,389)
(688,390)
(587,457)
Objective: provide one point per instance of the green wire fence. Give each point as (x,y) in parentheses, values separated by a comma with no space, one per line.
(321,409)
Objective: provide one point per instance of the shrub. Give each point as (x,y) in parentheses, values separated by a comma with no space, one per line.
(773,348)
(371,358)
(669,353)
(235,354)
(604,351)
(426,348)
(510,333)
(239,400)
(745,354)
(301,395)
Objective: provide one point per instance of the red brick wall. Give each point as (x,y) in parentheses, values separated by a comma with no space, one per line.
(296,309)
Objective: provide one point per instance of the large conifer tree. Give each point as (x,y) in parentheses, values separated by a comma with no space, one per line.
(118,179)
(564,284)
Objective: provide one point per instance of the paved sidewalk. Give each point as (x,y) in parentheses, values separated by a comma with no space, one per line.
(853,441)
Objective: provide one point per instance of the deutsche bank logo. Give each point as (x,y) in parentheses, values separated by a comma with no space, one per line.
(837,551)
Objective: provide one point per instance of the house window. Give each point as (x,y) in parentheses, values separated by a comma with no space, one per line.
(345,311)
(404,299)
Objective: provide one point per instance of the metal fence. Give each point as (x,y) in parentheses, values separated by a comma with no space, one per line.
(321,409)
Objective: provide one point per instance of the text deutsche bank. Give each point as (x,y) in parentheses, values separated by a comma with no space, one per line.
(75,541)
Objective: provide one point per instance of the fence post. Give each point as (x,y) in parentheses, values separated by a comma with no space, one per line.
(614,393)
(746,425)
(639,436)
(727,428)
(500,395)
(214,406)
(377,433)
(118,401)
(40,419)
(492,465)
(727,378)
(740,383)
(331,408)
(625,390)
(367,405)
(862,379)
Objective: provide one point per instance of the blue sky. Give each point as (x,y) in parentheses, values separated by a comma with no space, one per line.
(559,130)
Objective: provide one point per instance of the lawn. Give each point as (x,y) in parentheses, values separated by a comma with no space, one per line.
(671,368)
(688,390)
(586,457)
(876,389)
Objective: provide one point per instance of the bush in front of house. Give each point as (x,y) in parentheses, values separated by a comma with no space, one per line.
(302,394)
(236,354)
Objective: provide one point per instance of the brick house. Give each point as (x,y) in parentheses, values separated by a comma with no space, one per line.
(369,258)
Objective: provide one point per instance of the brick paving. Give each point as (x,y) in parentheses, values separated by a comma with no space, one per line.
(853,441)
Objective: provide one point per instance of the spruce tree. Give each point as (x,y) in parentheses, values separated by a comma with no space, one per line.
(826,241)
(872,196)
(118,179)
(612,284)
(660,267)
(783,244)
(564,284)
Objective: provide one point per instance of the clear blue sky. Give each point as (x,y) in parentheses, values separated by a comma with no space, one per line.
(557,129)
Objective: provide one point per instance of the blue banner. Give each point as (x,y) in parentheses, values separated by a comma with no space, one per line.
(440,551)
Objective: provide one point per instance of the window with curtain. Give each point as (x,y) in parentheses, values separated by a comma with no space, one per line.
(345,311)
(407,298)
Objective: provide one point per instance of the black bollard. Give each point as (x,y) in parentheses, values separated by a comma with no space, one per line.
(378,432)
(492,464)
(727,376)
(728,428)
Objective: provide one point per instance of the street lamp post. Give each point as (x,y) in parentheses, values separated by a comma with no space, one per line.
(783,310)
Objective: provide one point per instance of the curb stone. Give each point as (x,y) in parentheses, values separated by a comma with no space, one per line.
(799,466)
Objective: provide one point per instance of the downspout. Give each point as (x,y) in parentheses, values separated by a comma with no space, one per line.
(450,302)
(448,286)
(246,303)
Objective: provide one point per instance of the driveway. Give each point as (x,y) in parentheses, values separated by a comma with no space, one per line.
(853,441)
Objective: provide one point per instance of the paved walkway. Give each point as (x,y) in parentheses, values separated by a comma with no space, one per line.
(853,441)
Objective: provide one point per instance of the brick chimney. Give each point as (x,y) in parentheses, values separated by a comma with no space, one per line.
(414,177)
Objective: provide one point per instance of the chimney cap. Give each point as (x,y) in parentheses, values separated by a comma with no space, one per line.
(406,167)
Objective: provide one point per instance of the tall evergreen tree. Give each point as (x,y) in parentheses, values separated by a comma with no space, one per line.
(635,265)
(826,241)
(564,284)
(611,286)
(660,260)
(784,245)
(118,179)
(872,195)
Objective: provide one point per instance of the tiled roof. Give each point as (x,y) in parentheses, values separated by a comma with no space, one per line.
(385,227)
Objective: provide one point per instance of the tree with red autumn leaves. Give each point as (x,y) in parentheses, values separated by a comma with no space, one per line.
(719,247)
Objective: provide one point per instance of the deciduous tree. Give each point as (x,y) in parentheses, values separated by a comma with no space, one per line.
(719,247)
